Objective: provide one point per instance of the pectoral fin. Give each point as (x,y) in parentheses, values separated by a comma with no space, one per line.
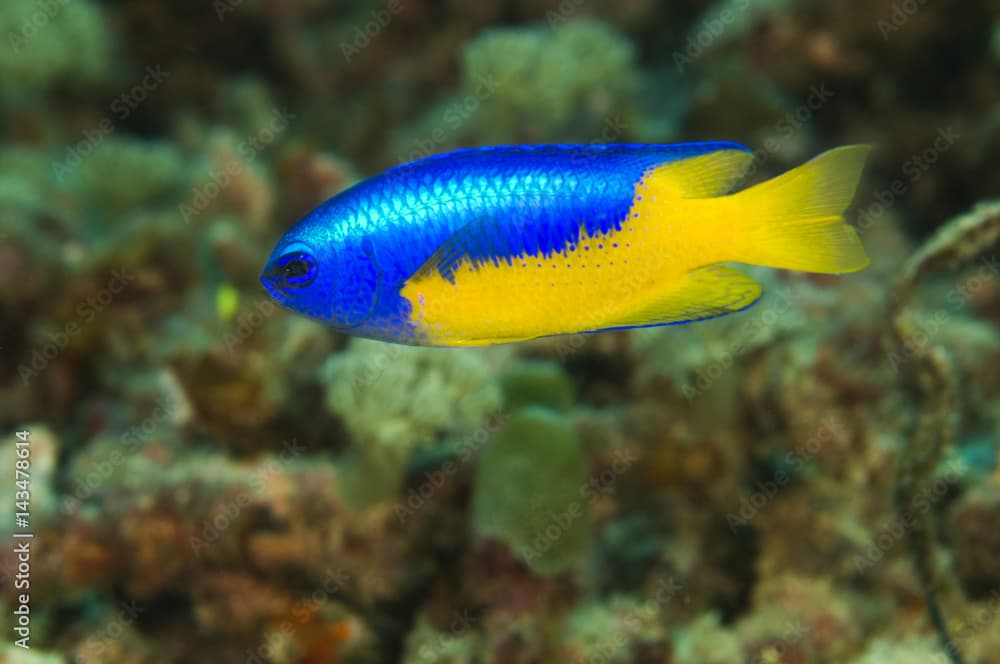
(481,241)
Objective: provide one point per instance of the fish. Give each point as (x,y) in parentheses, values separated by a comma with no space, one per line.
(501,244)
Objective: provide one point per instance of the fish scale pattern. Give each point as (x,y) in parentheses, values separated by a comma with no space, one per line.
(533,199)
(495,206)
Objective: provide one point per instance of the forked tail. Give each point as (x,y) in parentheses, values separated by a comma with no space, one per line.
(795,221)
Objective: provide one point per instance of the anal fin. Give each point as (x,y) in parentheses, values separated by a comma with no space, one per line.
(706,292)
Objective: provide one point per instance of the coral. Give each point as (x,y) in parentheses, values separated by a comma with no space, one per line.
(915,650)
(13,655)
(42,454)
(134,529)
(975,540)
(29,198)
(530,491)
(53,43)
(704,641)
(112,635)
(24,179)
(396,399)
(426,645)
(123,174)
(520,84)
(536,383)
(231,178)
(617,631)
(695,356)
(958,241)
(248,104)
(201,491)
(309,177)
(799,618)
(740,16)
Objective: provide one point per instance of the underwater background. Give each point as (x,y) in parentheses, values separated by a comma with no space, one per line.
(213,479)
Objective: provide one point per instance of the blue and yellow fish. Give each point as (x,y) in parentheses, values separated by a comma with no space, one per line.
(498,244)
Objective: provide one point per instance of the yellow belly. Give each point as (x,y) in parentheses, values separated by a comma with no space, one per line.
(584,289)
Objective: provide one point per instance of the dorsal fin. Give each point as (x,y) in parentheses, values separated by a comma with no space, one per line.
(705,176)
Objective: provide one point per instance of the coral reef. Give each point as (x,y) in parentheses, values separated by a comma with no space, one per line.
(154,171)
(569,78)
(214,479)
(960,240)
(973,540)
(546,77)
(53,43)
(415,394)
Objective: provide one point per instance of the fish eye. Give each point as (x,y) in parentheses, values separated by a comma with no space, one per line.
(296,269)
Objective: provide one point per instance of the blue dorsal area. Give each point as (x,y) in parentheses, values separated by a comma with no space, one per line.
(530,201)
(627,159)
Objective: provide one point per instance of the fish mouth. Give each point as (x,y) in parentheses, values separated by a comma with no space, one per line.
(269,278)
(269,275)
(267,281)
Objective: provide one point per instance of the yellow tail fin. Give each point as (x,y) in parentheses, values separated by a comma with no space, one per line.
(795,221)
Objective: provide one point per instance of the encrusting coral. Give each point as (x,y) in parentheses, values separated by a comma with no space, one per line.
(47,44)
(396,399)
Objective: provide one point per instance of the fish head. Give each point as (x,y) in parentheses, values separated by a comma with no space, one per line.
(322,274)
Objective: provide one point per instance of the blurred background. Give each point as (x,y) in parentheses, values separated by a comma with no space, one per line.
(213,479)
